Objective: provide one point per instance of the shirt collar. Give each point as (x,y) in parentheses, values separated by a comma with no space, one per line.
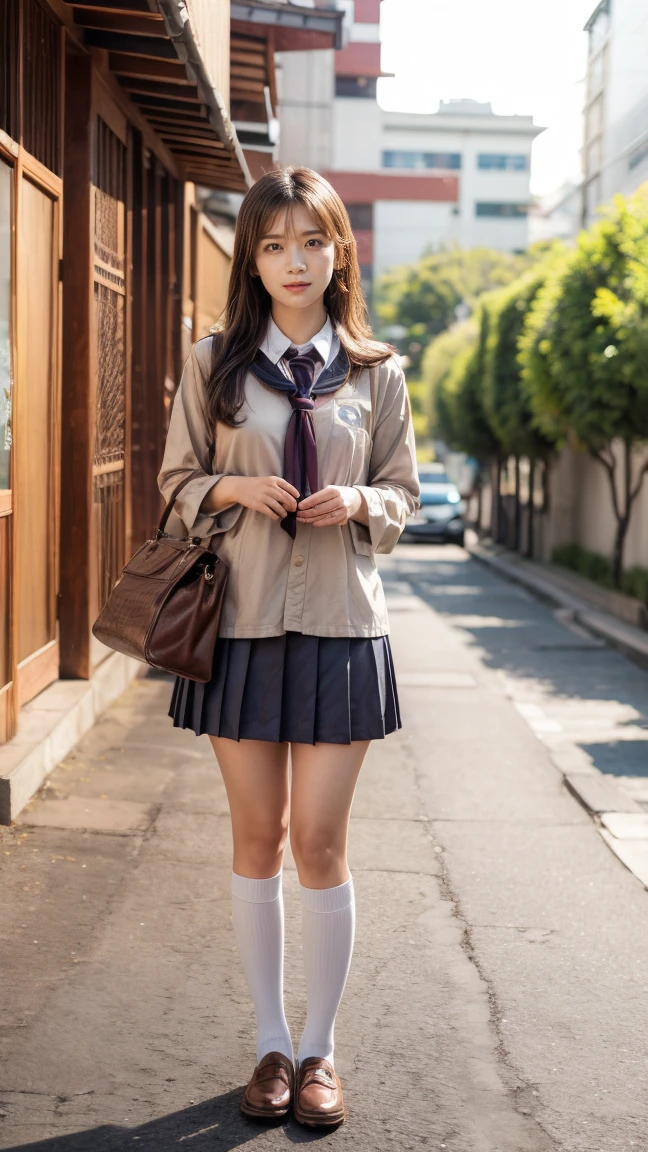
(276,344)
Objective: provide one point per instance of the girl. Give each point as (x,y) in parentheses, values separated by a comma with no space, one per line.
(296,428)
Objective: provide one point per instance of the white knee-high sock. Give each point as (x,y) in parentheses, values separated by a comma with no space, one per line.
(258,917)
(328,927)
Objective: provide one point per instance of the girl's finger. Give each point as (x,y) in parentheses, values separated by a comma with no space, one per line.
(318,510)
(332,518)
(275,506)
(286,501)
(317,498)
(288,487)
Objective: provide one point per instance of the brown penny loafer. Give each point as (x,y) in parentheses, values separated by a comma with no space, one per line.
(269,1094)
(318,1094)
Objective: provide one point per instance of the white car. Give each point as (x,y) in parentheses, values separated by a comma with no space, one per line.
(440,517)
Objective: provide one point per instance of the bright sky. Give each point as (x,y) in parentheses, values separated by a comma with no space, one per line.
(523,56)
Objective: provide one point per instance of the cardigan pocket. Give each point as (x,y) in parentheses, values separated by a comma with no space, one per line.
(360,538)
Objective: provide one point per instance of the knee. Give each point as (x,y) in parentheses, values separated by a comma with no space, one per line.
(316,851)
(261,847)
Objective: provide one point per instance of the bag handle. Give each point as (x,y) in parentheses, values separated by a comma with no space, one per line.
(169,507)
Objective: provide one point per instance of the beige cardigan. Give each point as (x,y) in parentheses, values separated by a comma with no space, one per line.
(325,582)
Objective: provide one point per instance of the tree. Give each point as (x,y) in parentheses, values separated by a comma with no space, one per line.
(423,298)
(453,368)
(506,403)
(464,389)
(584,353)
(437,363)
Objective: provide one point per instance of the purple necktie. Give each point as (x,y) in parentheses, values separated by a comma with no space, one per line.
(300,448)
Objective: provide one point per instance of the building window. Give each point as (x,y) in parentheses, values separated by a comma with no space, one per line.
(502,161)
(510,211)
(361,217)
(406,159)
(363,87)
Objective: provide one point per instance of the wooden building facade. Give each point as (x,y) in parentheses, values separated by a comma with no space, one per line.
(112,114)
(109,115)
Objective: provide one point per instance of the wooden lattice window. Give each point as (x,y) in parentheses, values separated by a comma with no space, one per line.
(108,470)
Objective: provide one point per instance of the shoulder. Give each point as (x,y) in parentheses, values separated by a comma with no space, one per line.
(201,355)
(390,369)
(390,378)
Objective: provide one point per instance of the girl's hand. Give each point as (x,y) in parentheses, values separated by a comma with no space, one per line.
(334,504)
(271,495)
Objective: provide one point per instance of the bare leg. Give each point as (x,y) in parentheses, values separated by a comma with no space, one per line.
(256,779)
(323,784)
(255,773)
(324,778)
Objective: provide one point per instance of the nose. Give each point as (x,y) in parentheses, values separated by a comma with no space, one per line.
(296,262)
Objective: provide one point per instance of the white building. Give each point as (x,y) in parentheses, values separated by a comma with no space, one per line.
(488,159)
(411,181)
(615,152)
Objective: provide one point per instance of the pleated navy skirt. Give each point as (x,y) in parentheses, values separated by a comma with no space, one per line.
(304,689)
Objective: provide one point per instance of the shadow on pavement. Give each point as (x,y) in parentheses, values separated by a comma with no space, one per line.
(622,758)
(214,1124)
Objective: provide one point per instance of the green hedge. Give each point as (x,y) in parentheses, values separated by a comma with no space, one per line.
(599,569)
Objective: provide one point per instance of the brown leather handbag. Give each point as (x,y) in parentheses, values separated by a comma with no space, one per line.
(165,608)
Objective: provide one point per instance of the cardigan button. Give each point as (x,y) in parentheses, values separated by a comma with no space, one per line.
(298,561)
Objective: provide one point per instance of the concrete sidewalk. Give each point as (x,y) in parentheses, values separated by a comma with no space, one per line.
(494,1003)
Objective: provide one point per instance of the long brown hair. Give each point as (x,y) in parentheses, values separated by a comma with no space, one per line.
(248,305)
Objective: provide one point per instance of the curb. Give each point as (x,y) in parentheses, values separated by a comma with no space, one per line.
(51,724)
(621,822)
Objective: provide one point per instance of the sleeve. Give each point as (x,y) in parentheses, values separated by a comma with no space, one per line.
(189,449)
(393,488)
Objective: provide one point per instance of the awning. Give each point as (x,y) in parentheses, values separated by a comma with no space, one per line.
(152,50)
(293,27)
(259,30)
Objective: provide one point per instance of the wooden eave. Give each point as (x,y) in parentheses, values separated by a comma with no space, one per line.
(258,30)
(295,28)
(187,116)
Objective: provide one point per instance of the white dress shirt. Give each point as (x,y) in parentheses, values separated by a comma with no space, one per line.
(276,344)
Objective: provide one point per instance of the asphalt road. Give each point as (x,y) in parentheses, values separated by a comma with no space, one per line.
(498,999)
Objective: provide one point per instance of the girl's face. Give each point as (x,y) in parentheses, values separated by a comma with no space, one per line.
(295,259)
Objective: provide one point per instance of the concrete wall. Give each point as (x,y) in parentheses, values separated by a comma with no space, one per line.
(580,510)
(306,89)
(594,521)
(356,135)
(403,230)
